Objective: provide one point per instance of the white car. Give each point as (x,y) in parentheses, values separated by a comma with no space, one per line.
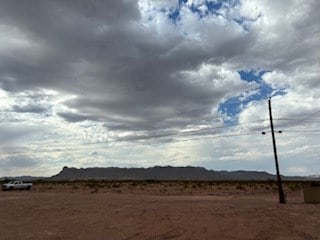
(12,185)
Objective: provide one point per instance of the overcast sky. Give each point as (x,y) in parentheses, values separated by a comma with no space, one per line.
(131,83)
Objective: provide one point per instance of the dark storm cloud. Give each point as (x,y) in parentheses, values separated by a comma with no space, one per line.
(61,33)
(29,109)
(124,72)
(73,117)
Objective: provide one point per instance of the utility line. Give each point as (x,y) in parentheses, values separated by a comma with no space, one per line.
(303,131)
(307,117)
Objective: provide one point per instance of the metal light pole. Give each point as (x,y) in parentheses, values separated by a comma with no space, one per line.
(280,189)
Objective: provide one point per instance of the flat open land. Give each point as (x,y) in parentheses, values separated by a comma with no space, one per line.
(156,211)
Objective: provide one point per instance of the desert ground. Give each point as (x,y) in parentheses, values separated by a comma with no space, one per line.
(151,210)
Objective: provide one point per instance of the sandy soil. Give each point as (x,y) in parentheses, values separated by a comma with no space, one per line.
(71,212)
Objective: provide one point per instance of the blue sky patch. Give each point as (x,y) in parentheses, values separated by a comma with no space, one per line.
(252,75)
(212,8)
(231,108)
(174,15)
(208,8)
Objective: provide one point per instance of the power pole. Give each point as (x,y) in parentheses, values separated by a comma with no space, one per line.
(280,189)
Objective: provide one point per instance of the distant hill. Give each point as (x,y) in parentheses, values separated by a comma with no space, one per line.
(162,173)
(22,178)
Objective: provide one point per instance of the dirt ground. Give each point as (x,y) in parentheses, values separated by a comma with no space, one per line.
(155,212)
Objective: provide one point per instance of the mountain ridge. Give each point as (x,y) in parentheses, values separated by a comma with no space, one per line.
(163,173)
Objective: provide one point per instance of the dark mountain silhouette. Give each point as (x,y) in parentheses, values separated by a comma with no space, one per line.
(162,173)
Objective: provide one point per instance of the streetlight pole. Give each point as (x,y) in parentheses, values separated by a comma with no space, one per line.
(280,189)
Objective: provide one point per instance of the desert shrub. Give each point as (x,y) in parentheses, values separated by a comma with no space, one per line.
(240,187)
(143,183)
(293,186)
(90,184)
(185,185)
(95,190)
(116,185)
(152,181)
(163,190)
(133,184)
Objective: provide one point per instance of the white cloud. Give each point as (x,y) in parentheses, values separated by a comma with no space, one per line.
(297,170)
